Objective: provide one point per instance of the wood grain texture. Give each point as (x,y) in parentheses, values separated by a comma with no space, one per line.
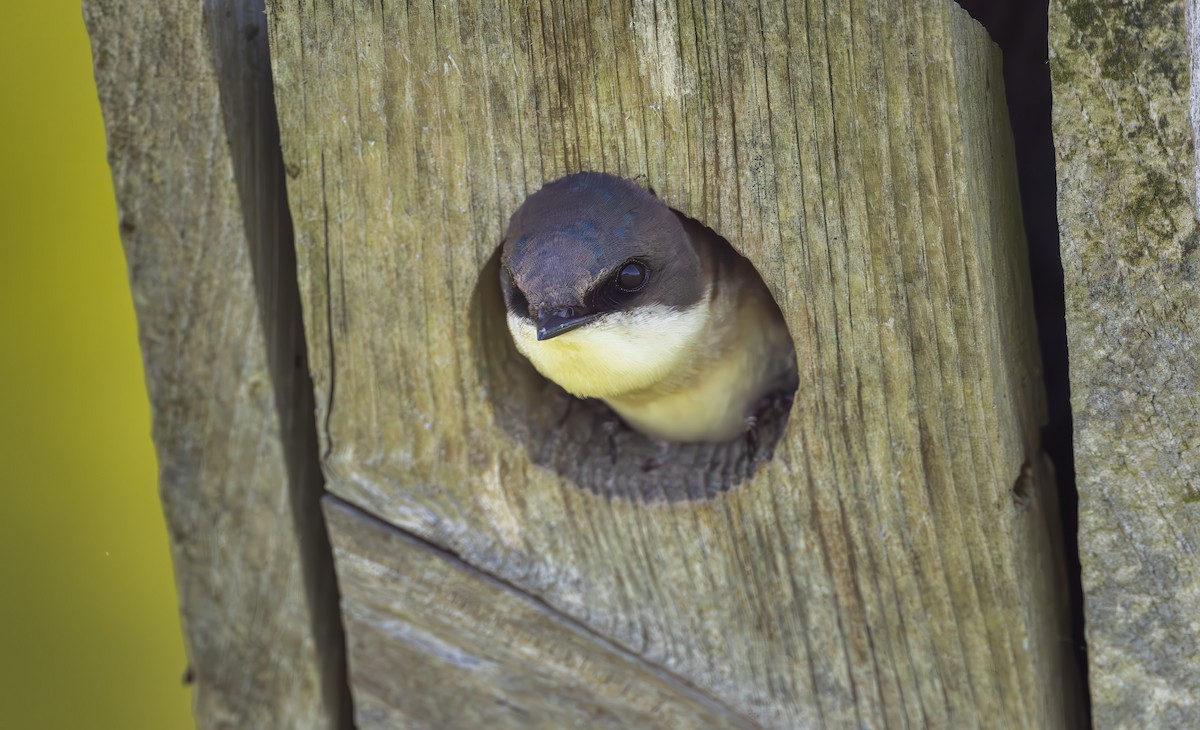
(877,571)
(1131,255)
(198,179)
(488,656)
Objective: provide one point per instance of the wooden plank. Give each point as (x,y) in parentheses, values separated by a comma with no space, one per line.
(198,179)
(877,570)
(434,643)
(1123,129)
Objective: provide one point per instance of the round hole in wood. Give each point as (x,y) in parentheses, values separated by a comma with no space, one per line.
(585,442)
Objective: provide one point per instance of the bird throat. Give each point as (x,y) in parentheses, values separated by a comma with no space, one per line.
(620,353)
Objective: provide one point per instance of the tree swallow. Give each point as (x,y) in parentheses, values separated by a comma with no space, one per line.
(613,295)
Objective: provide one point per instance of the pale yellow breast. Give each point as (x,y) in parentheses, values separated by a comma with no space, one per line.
(713,407)
(672,374)
(620,353)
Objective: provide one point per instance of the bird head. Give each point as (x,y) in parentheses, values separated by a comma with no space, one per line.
(603,285)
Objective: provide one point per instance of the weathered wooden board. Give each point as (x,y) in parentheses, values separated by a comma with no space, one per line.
(878,571)
(204,223)
(1131,254)
(475,653)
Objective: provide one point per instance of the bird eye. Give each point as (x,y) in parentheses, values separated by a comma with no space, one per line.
(632,277)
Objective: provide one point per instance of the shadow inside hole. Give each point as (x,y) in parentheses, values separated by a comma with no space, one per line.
(584,441)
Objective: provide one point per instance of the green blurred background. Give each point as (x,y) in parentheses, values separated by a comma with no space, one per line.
(89,627)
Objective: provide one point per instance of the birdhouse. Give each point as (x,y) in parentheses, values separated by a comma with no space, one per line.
(382,513)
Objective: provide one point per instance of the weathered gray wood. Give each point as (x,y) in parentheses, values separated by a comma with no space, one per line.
(473,653)
(878,571)
(203,219)
(1127,212)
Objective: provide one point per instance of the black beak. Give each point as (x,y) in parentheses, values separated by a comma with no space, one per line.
(553,324)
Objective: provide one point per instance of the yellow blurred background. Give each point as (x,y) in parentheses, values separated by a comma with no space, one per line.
(89,627)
